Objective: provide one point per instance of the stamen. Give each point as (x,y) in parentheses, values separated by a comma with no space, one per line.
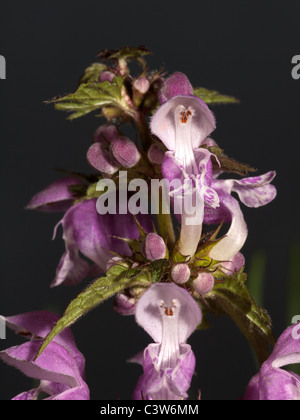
(185,116)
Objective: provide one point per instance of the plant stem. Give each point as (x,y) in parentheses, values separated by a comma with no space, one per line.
(143,130)
(165,224)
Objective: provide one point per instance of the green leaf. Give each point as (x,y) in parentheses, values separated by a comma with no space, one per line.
(233,299)
(92,73)
(116,280)
(125,53)
(214,97)
(92,96)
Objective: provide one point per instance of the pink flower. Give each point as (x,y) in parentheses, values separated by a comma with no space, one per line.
(60,368)
(169,315)
(272,382)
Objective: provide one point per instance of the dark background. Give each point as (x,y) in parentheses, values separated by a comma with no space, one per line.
(242,48)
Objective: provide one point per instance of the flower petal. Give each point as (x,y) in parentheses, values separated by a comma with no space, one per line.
(169,384)
(38,324)
(57,197)
(273,383)
(287,348)
(26,396)
(92,233)
(94,236)
(54,364)
(72,269)
(237,234)
(163,122)
(278,385)
(254,191)
(148,315)
(174,85)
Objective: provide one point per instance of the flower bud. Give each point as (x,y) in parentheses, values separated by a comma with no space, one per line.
(180,273)
(124,305)
(125,152)
(154,247)
(234,265)
(141,84)
(112,262)
(106,76)
(99,157)
(204,283)
(155,155)
(106,133)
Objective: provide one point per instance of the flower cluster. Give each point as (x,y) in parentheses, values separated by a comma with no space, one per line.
(169,283)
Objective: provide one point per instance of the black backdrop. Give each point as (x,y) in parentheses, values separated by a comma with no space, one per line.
(243,48)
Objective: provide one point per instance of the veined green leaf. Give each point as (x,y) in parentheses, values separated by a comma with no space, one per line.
(92,96)
(116,280)
(214,97)
(233,299)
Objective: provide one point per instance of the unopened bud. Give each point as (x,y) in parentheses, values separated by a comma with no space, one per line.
(106,76)
(124,305)
(106,133)
(234,265)
(112,262)
(125,152)
(99,157)
(141,84)
(204,283)
(180,273)
(155,155)
(154,247)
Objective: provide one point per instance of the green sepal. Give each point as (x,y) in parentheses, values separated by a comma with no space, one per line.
(116,280)
(159,270)
(228,164)
(214,97)
(90,193)
(201,259)
(233,299)
(91,97)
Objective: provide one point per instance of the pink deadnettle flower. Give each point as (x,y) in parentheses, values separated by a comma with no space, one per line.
(90,238)
(183,123)
(61,366)
(169,315)
(274,383)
